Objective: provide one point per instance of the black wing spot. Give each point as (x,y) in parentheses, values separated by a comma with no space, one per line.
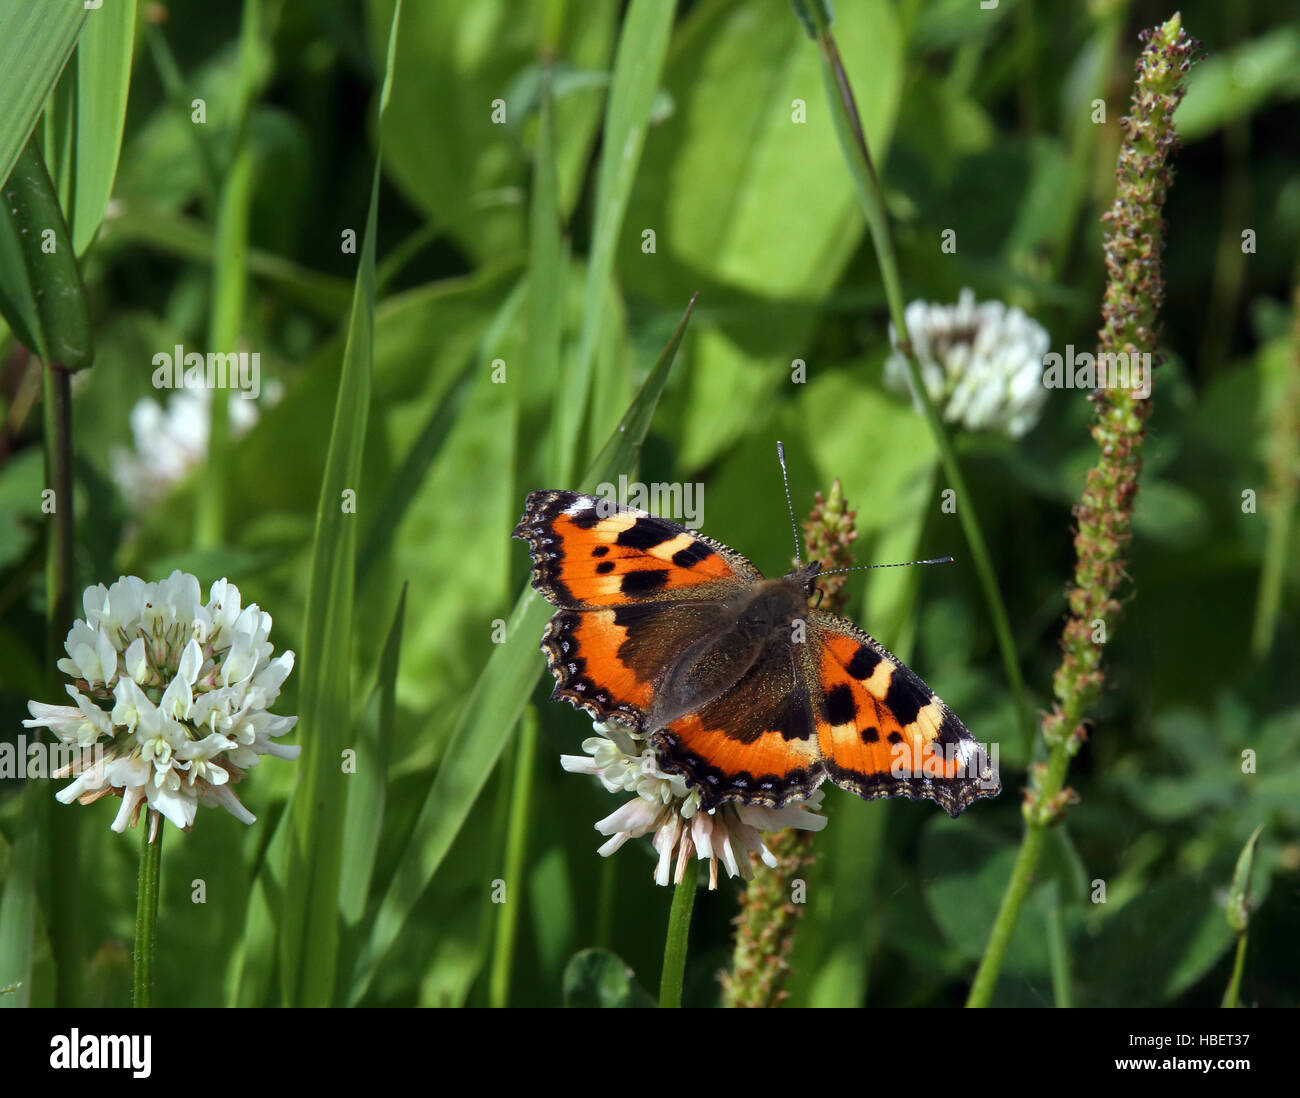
(692,555)
(895,737)
(644,581)
(863,663)
(600,550)
(905,698)
(839,705)
(604,568)
(870,734)
(646,533)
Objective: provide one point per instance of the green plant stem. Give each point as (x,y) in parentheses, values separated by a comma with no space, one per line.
(1232,994)
(229,290)
(1238,914)
(1017,888)
(769,919)
(516,850)
(1058,953)
(230,272)
(60,585)
(1103,516)
(1284,478)
(1272,575)
(848,127)
(679,929)
(60,574)
(146,909)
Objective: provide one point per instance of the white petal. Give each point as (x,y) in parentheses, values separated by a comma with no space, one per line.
(635,816)
(137,663)
(130,798)
(225,797)
(175,804)
(191,662)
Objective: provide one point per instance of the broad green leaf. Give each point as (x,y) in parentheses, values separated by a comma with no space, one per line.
(1157,945)
(1231,84)
(41,292)
(600,978)
(455,151)
(36,40)
(495,704)
(964,871)
(776,237)
(309,931)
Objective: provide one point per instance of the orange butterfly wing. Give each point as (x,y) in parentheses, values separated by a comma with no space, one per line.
(882,732)
(632,590)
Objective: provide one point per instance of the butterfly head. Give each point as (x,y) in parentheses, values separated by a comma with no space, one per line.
(805,575)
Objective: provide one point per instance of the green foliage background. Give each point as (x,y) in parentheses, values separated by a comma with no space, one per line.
(522,242)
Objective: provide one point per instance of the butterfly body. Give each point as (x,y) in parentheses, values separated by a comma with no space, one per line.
(744,688)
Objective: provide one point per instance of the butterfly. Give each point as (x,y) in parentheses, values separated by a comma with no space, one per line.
(744,688)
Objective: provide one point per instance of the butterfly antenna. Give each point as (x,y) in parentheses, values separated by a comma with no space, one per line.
(900,564)
(780,456)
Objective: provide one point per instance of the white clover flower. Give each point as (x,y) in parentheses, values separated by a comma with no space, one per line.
(171,698)
(981,364)
(169,442)
(665,806)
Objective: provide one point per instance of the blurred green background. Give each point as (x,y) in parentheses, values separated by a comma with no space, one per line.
(979,122)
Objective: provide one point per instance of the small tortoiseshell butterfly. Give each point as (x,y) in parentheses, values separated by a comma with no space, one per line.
(745,689)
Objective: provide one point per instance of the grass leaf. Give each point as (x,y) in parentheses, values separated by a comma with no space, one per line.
(495,704)
(35,43)
(309,933)
(368,787)
(103,79)
(637,67)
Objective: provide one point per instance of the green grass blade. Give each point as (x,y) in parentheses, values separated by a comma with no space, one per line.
(103,78)
(309,932)
(250,976)
(41,293)
(520,811)
(35,43)
(495,704)
(547,266)
(368,787)
(637,67)
(18,904)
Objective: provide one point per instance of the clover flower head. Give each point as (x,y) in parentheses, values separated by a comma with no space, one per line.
(665,807)
(171,698)
(982,364)
(168,441)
